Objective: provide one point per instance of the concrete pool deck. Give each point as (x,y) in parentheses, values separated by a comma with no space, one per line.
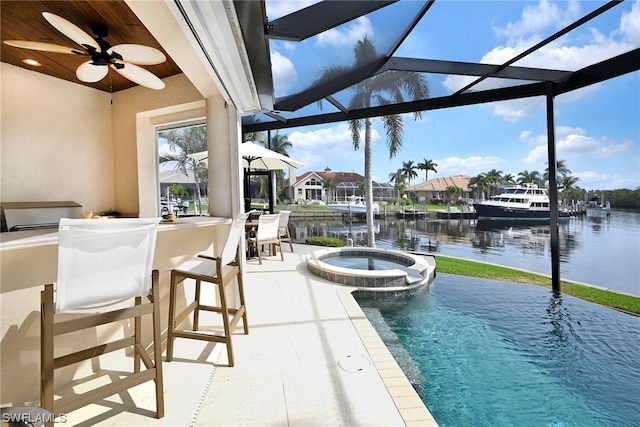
(311,358)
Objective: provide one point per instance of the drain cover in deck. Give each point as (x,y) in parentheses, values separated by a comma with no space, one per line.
(354,363)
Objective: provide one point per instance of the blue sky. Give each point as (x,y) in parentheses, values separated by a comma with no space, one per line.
(597,128)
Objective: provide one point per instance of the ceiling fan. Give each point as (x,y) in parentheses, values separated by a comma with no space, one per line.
(123,58)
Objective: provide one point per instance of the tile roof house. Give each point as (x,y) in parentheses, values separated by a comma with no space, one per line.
(310,186)
(167,178)
(436,189)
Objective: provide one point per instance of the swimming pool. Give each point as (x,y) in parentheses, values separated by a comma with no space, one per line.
(491,353)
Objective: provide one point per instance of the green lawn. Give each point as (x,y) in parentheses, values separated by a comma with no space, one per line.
(461,267)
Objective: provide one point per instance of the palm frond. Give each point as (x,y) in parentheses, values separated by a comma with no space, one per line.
(394,127)
(356,127)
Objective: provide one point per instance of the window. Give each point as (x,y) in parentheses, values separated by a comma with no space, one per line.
(182,169)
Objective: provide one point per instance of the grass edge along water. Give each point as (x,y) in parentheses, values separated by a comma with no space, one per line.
(463,267)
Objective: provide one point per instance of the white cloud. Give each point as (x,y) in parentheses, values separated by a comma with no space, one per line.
(591,180)
(559,55)
(284,73)
(471,166)
(329,145)
(573,144)
(280,8)
(630,24)
(347,34)
(539,17)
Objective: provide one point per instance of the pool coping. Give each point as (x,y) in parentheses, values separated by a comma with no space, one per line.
(412,409)
(419,271)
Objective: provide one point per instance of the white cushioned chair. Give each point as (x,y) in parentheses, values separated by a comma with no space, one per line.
(267,233)
(283,228)
(105,276)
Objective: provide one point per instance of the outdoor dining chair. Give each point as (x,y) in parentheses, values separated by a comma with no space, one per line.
(104,277)
(220,271)
(283,228)
(268,234)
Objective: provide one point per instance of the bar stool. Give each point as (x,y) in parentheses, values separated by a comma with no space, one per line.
(220,271)
(102,263)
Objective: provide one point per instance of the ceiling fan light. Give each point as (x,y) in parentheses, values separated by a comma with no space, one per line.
(32,62)
(89,73)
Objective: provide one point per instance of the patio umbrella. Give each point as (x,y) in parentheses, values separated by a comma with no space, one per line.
(255,156)
(258,157)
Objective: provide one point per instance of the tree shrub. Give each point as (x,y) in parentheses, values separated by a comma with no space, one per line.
(324,241)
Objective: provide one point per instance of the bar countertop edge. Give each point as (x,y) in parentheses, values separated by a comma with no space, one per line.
(34,238)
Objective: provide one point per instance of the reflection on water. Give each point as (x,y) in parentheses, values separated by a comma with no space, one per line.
(504,354)
(600,250)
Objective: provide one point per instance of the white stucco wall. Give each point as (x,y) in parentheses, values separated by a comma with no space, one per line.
(128,134)
(56,141)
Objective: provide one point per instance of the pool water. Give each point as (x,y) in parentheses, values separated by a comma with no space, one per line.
(364,263)
(503,354)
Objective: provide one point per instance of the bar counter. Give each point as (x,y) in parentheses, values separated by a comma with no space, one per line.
(28,261)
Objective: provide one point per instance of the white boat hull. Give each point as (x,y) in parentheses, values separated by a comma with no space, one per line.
(355,208)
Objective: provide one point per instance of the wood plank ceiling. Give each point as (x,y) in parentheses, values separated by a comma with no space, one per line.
(23,20)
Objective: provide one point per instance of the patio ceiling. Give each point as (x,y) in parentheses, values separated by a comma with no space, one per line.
(23,20)
(316,100)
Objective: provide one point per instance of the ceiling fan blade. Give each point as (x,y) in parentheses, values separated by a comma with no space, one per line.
(89,73)
(140,75)
(138,54)
(43,47)
(70,30)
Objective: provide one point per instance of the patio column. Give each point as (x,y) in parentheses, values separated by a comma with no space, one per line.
(223,142)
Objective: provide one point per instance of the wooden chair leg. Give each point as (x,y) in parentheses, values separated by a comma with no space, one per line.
(196,313)
(137,333)
(289,239)
(157,344)
(172,316)
(245,325)
(46,350)
(225,321)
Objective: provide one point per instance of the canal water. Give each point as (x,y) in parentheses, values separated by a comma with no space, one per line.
(596,249)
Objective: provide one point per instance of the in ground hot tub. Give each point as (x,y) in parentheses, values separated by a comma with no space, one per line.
(372,270)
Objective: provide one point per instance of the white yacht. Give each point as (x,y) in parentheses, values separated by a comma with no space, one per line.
(528,203)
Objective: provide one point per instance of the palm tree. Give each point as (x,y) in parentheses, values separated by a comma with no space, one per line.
(183,142)
(398,178)
(383,88)
(255,137)
(454,192)
(427,165)
(526,177)
(329,186)
(509,179)
(409,170)
(567,182)
(561,169)
(480,184)
(494,177)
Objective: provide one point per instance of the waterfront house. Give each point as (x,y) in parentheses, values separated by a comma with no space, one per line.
(435,190)
(311,186)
